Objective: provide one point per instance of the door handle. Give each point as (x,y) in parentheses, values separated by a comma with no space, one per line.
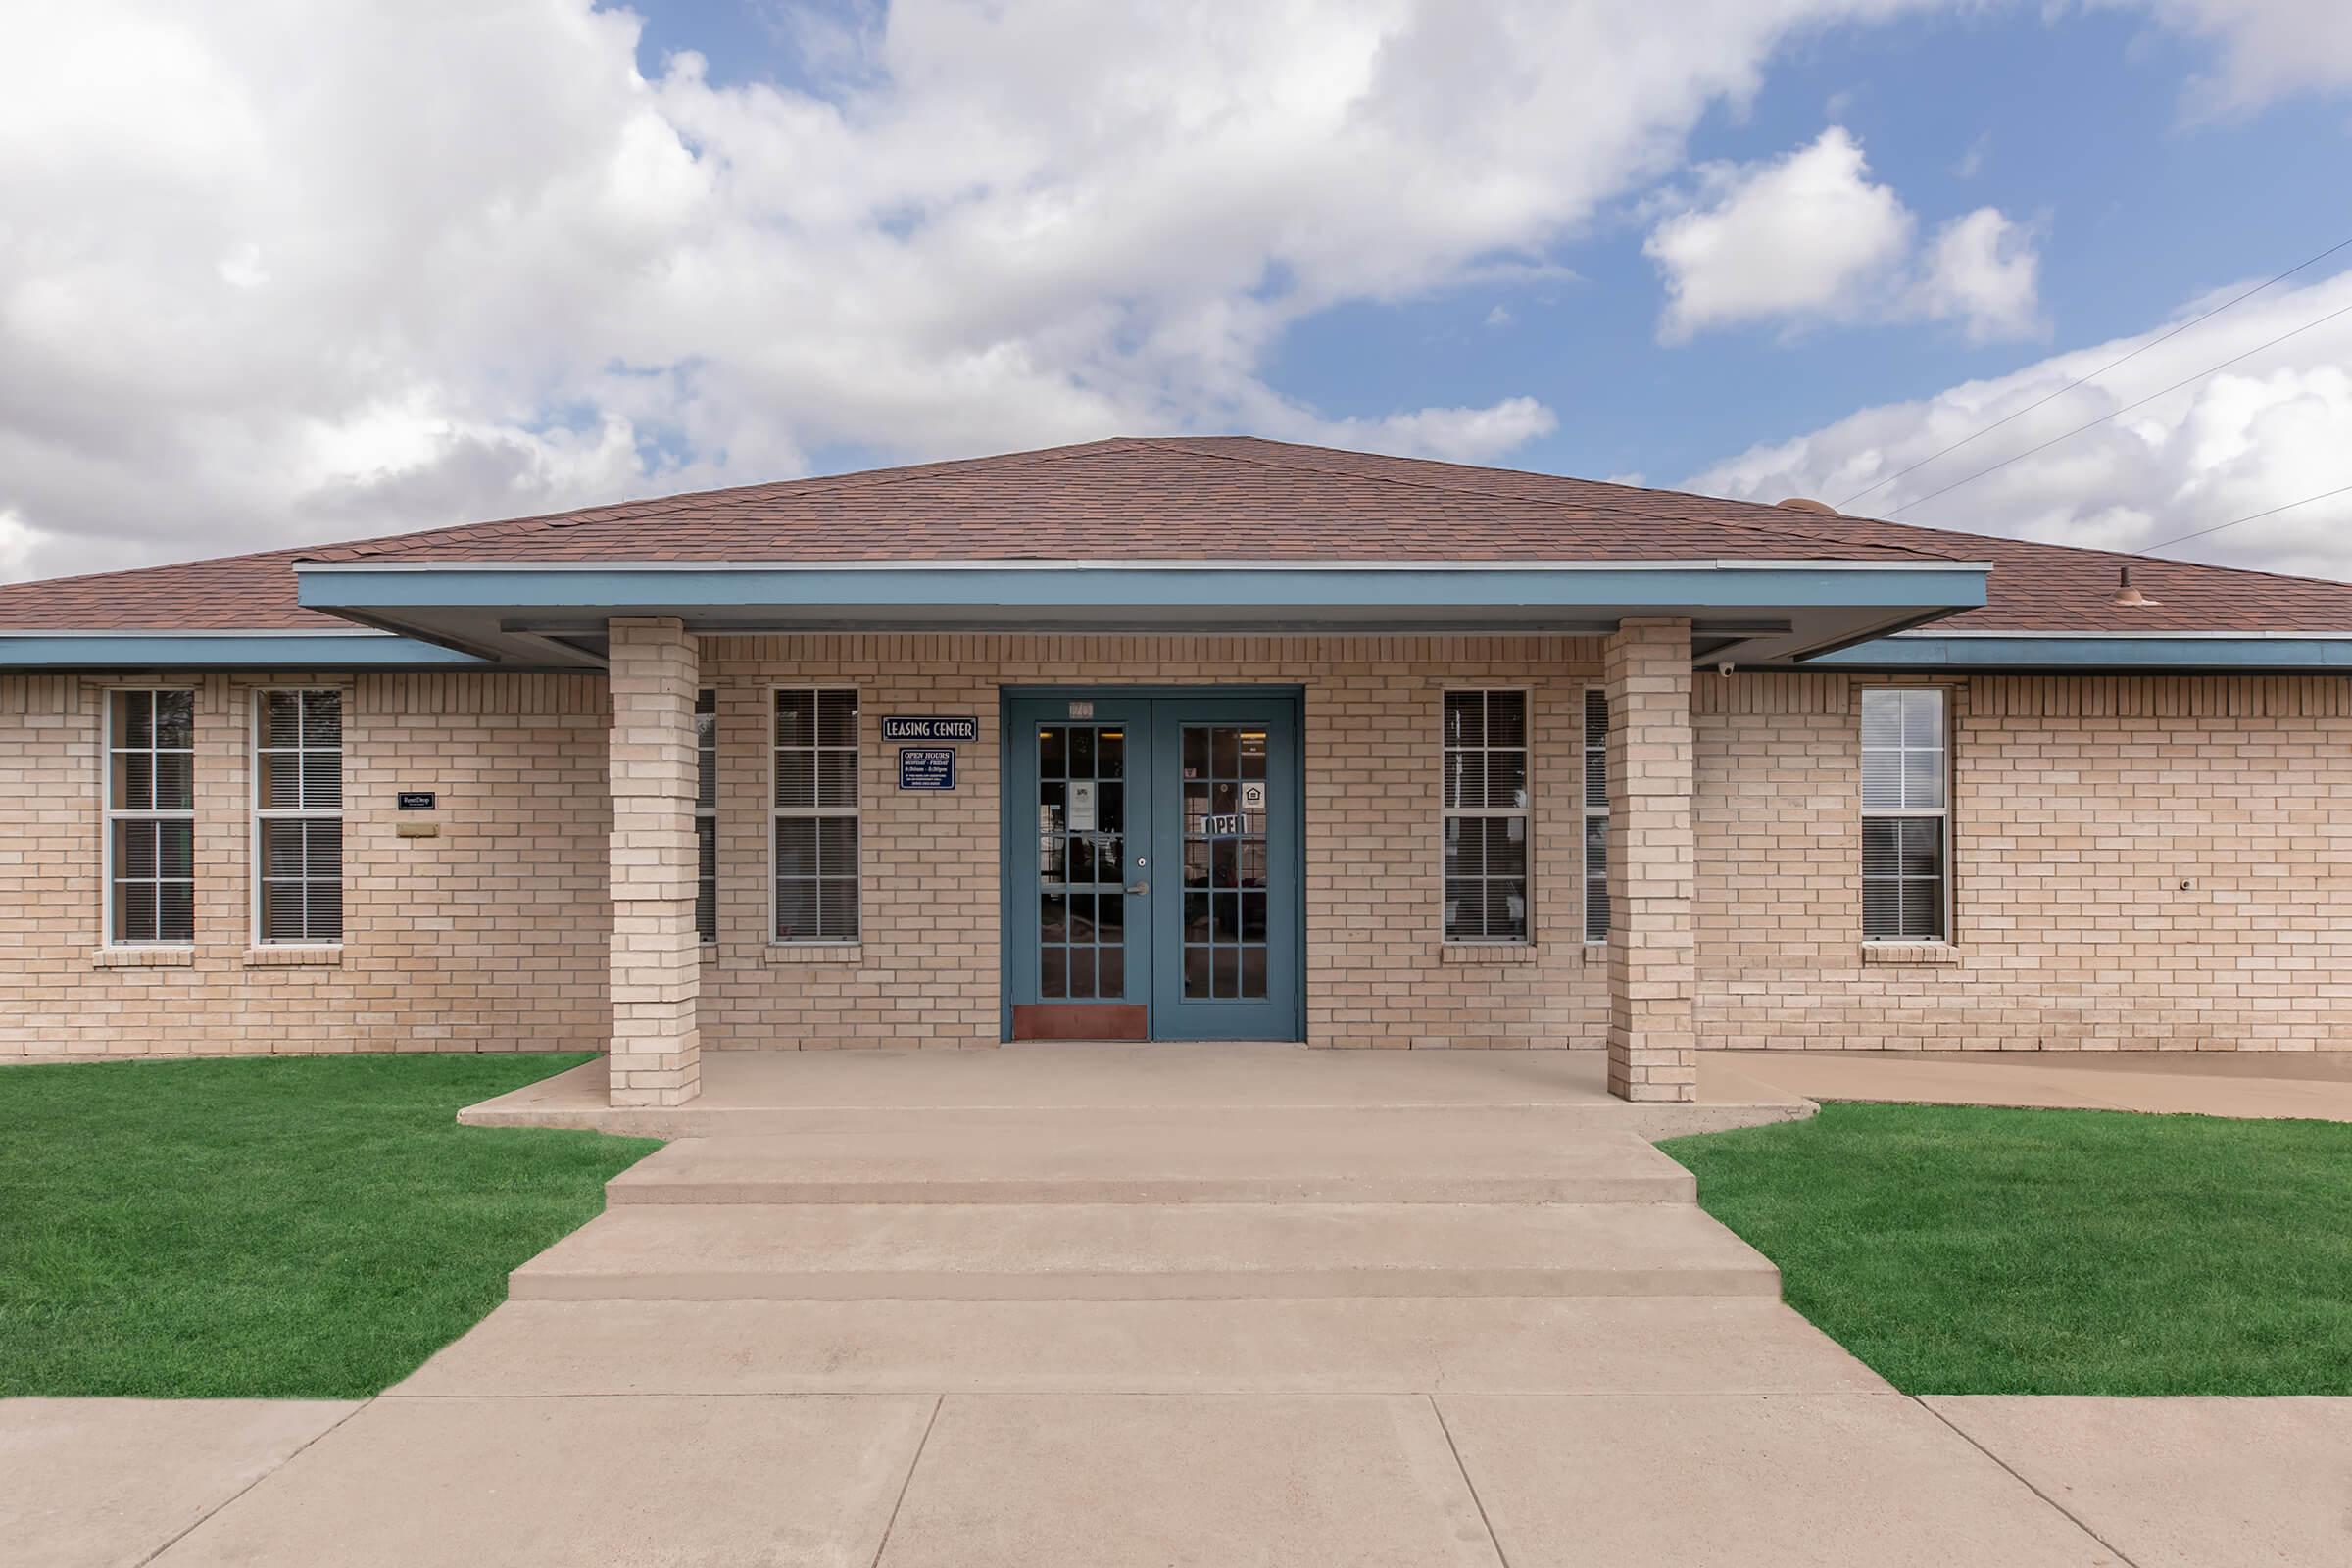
(1141,887)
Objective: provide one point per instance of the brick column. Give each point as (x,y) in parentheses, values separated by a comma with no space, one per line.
(656,960)
(1653,972)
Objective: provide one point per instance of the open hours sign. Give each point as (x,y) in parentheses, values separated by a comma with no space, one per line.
(926,767)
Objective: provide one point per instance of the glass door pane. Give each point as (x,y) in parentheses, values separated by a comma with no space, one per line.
(1224,861)
(1083,861)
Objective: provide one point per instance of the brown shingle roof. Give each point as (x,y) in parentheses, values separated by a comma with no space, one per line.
(2060,588)
(232,593)
(1212,498)
(1230,499)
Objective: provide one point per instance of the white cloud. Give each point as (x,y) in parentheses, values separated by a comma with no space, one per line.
(1795,237)
(2270,48)
(1810,238)
(273,273)
(242,267)
(2273,429)
(16,545)
(339,267)
(1465,435)
(1981,271)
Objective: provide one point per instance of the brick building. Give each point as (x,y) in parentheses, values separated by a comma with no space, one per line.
(1173,739)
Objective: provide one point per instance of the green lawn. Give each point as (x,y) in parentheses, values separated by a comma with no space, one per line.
(289,1227)
(1962,1250)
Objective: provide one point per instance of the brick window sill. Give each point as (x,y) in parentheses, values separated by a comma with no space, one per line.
(1487,953)
(143,958)
(812,953)
(290,958)
(1910,953)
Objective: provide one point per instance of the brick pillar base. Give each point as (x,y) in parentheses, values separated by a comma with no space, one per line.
(656,957)
(1652,967)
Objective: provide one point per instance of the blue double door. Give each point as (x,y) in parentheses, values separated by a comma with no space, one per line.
(1152,865)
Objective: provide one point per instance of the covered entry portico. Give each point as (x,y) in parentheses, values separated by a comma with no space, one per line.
(1647,624)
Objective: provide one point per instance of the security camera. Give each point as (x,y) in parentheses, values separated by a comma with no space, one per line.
(1724,670)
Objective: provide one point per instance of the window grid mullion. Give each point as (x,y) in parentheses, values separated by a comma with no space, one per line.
(295,907)
(821,873)
(1595,753)
(1485,886)
(705,816)
(1899,918)
(123,704)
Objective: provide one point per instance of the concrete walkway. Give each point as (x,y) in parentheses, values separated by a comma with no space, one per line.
(1015,1313)
(1053,1479)
(2250,1084)
(116,1481)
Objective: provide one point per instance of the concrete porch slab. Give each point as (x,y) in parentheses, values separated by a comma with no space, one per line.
(1125,1251)
(97,1483)
(1728,1481)
(758,1093)
(629,1483)
(2182,1482)
(1396,1344)
(1046,1481)
(1376,1154)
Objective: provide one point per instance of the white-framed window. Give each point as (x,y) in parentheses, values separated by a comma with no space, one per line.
(298,815)
(1596,814)
(1486,816)
(814,864)
(151,816)
(1906,885)
(706,815)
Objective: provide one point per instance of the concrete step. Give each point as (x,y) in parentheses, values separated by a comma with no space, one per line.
(1472,1155)
(1394,1345)
(709,1117)
(1136,1252)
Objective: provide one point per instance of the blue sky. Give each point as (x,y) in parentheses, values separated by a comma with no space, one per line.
(2076,125)
(2078,121)
(350,270)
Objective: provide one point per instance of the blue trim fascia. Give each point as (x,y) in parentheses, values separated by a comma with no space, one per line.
(2093,652)
(230,651)
(625,591)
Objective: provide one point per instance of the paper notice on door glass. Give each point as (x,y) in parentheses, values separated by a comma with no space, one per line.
(1082,806)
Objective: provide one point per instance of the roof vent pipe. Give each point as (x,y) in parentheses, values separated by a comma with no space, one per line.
(2127,597)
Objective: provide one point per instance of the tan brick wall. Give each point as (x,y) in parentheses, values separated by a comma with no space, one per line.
(489,936)
(2080,808)
(1378,973)
(2139,863)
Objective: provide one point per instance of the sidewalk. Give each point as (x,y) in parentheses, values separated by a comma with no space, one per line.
(2314,1084)
(1537,1481)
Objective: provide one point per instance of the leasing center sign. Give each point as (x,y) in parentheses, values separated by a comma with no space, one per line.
(931,729)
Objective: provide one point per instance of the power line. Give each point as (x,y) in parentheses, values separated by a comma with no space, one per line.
(2126,408)
(2167,544)
(2093,375)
